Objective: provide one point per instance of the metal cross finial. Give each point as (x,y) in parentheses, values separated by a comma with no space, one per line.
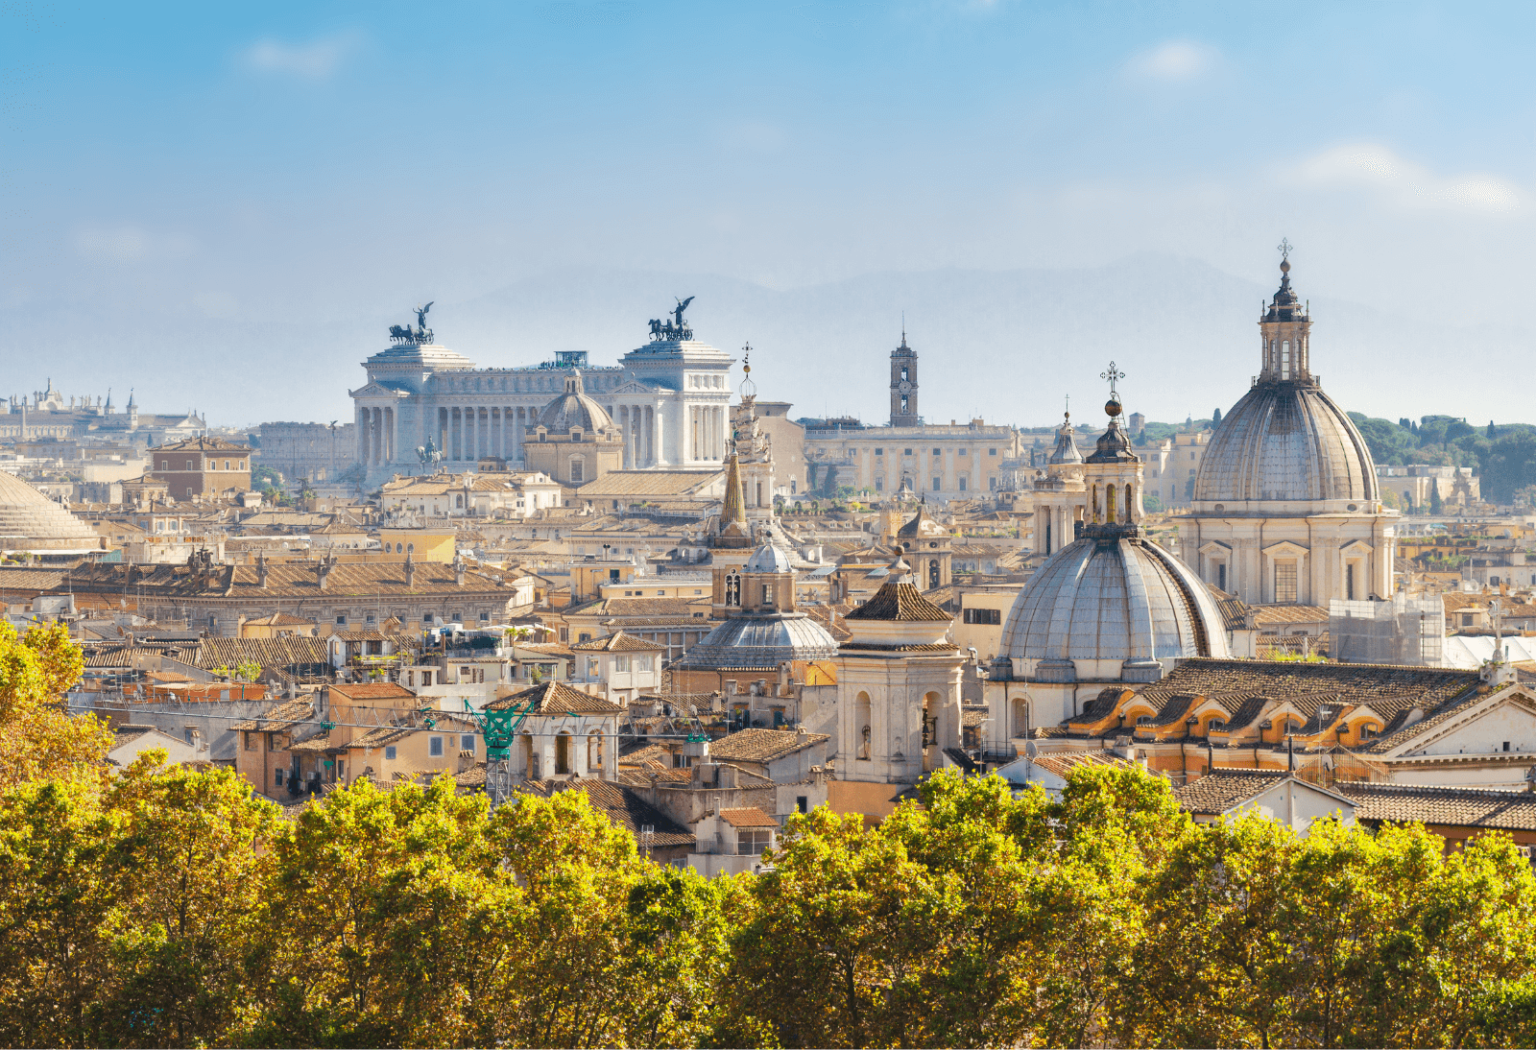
(746,353)
(1112,374)
(1285,248)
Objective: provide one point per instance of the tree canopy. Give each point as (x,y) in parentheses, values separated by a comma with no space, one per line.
(159,905)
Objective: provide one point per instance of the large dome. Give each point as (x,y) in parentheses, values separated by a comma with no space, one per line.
(1286,442)
(574,409)
(1111,599)
(30,521)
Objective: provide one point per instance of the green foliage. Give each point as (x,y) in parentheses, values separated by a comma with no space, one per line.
(169,906)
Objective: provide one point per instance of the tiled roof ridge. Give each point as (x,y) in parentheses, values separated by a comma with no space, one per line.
(1436,790)
(897,600)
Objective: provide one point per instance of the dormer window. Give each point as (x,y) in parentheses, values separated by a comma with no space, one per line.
(1143,720)
(1216,725)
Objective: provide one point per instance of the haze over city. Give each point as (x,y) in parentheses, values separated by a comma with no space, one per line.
(285,181)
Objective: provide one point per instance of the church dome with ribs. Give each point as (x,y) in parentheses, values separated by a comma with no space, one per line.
(1285,441)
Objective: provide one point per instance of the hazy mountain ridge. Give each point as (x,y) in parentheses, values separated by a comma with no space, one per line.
(1005,345)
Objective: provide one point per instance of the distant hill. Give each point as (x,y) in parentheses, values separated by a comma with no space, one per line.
(1007,346)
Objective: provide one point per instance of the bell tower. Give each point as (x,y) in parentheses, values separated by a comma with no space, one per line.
(904,385)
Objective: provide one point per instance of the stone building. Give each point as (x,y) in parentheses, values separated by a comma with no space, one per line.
(944,462)
(669,399)
(1287,508)
(307,450)
(202,466)
(898,697)
(49,414)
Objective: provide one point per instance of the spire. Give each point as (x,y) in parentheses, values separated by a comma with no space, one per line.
(733,510)
(1285,329)
(1066,447)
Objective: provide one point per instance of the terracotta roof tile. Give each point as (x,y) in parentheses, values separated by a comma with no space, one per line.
(1509,810)
(554,698)
(1218,792)
(618,642)
(623,806)
(899,601)
(762,745)
(748,817)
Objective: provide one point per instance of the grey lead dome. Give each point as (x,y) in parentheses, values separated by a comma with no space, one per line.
(1117,599)
(1286,442)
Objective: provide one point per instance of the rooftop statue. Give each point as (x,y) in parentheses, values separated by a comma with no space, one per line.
(420,334)
(672,329)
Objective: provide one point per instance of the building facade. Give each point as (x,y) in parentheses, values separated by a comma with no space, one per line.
(423,402)
(202,466)
(944,462)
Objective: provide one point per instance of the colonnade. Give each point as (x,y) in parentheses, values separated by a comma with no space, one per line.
(706,429)
(642,435)
(376,436)
(468,434)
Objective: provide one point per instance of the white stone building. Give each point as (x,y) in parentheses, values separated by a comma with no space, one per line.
(670,398)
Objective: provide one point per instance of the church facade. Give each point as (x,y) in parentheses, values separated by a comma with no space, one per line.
(427,406)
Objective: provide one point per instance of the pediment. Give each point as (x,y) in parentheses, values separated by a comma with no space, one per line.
(631,386)
(1286,549)
(1215,547)
(1479,728)
(1357,547)
(378,390)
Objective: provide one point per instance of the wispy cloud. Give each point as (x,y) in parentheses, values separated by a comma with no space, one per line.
(1174,62)
(1402,183)
(130,243)
(315,60)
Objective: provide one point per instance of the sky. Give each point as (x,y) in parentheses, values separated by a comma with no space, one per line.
(316,163)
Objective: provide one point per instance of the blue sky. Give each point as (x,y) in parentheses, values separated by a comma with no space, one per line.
(321,160)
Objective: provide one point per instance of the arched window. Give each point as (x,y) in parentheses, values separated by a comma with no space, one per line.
(1109,504)
(594,751)
(563,754)
(732,588)
(933,573)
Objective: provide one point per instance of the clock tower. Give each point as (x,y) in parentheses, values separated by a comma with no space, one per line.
(904,385)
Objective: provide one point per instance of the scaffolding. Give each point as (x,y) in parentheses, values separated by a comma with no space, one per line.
(1403,630)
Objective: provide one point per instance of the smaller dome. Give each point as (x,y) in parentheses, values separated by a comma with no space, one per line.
(922,527)
(574,409)
(1113,446)
(768,558)
(760,640)
(1112,598)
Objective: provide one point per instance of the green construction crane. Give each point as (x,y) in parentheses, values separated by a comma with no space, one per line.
(499,727)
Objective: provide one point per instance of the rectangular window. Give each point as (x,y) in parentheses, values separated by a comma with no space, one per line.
(643,663)
(991,451)
(278,775)
(879,451)
(938,484)
(435,746)
(938,452)
(963,482)
(984,616)
(879,484)
(389,753)
(467,742)
(965,452)
(1285,581)
(341,620)
(250,741)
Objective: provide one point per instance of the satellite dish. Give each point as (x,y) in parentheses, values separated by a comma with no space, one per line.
(1031,749)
